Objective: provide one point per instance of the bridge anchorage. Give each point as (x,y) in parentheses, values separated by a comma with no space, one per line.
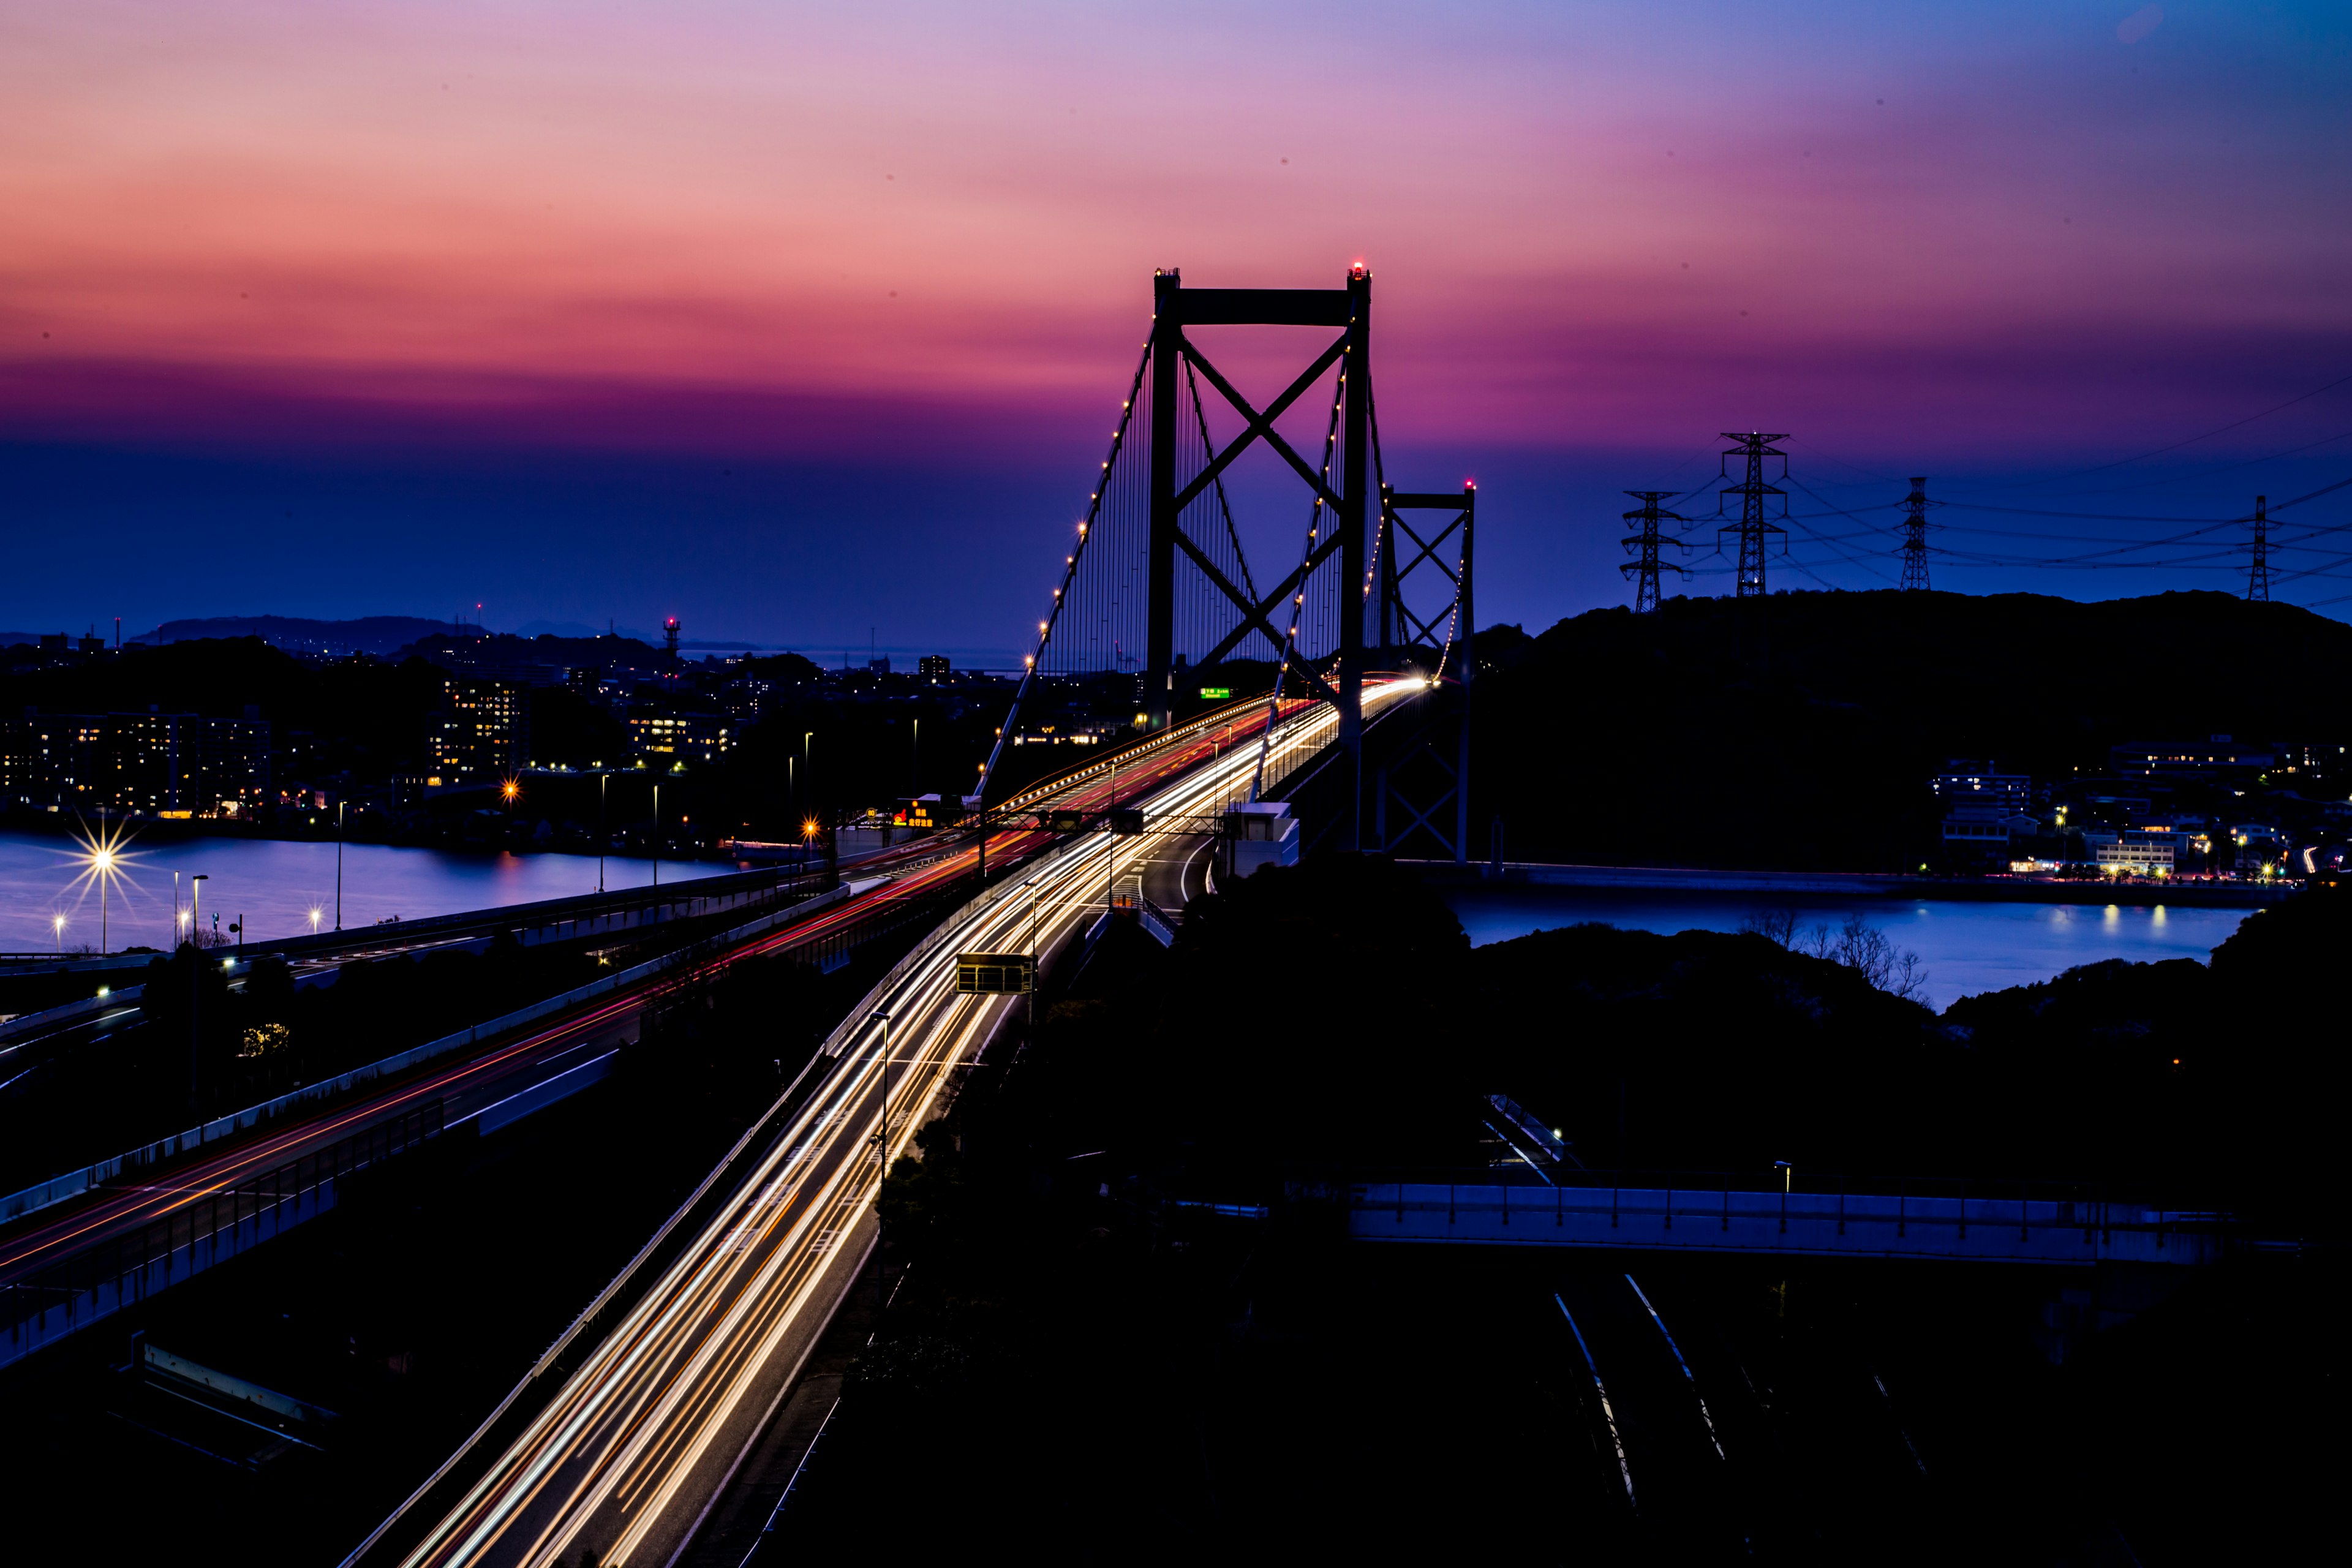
(1379,590)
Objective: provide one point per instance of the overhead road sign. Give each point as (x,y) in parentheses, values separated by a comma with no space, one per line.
(995,974)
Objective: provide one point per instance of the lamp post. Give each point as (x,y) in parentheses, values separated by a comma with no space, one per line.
(338,865)
(57,923)
(602,779)
(658,844)
(195,995)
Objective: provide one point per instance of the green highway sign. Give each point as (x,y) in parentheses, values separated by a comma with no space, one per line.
(1216,694)
(995,974)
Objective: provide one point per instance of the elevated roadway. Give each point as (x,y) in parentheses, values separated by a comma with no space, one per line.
(467,1083)
(626,1456)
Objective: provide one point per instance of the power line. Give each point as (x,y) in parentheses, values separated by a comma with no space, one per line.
(2185,441)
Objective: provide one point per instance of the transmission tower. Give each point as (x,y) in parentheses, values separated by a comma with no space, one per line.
(1753,524)
(1915,535)
(2258,572)
(1648,516)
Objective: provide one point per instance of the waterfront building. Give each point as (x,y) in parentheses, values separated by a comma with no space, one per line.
(482,729)
(2214,758)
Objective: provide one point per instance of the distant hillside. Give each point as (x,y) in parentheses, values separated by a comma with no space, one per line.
(1801,731)
(381,634)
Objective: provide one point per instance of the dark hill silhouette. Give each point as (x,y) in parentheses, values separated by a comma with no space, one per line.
(1801,731)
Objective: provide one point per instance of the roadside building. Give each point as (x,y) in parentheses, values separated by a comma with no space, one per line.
(2262,850)
(2135,854)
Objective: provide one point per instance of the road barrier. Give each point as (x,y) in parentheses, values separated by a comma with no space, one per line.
(57,1189)
(205,1229)
(2006,1222)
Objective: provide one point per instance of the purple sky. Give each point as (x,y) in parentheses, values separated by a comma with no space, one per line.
(797,320)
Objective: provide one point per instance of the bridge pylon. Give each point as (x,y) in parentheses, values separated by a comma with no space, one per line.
(1177,361)
(1421,788)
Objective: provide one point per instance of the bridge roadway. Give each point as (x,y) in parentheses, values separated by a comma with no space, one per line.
(469,1083)
(627,1457)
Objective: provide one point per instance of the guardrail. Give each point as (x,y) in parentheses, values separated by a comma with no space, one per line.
(2064,1223)
(208,1229)
(57,1189)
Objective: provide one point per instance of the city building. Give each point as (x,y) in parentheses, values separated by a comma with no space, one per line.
(482,730)
(152,764)
(2215,757)
(933,668)
(662,736)
(2134,853)
(2262,850)
(1970,783)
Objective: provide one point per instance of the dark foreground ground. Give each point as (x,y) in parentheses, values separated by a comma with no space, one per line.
(409,1311)
(1235,1398)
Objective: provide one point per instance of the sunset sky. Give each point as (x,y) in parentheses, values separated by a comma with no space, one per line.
(795,321)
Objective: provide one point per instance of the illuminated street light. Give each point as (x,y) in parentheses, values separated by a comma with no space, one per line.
(102,862)
(58,924)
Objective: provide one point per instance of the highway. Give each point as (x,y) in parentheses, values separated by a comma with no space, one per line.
(468,1083)
(624,1459)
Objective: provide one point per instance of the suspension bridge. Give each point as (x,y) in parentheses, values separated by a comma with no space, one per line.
(1348,614)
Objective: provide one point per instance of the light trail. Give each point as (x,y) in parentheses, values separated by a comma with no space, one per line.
(626,1451)
(1607,1413)
(1679,1361)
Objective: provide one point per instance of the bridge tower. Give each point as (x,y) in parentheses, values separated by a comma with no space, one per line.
(2258,571)
(1915,536)
(1421,786)
(1753,494)
(1157,559)
(1173,355)
(1645,569)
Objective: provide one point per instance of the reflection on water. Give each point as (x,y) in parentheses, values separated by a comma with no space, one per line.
(276,886)
(1966,946)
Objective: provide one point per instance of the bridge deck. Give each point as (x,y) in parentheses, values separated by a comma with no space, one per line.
(1822,1225)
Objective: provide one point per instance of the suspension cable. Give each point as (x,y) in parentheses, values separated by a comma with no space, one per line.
(1298,599)
(1069,570)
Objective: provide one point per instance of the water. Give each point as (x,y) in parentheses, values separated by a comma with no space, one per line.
(1966,946)
(274,886)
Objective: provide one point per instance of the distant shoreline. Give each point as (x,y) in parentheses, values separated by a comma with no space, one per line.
(1671,880)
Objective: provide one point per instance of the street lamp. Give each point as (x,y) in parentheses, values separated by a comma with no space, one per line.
(338,865)
(58,924)
(101,860)
(314,921)
(1786,1171)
